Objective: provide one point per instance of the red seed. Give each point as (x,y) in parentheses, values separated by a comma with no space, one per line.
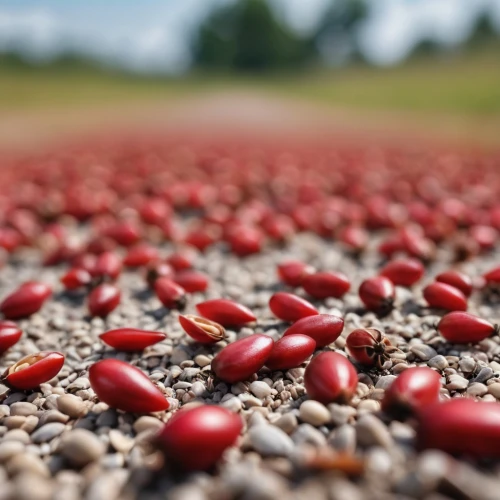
(443,296)
(125,233)
(355,238)
(492,277)
(155,270)
(245,240)
(458,280)
(26,300)
(290,307)
(323,328)
(292,272)
(103,299)
(34,369)
(241,359)
(226,312)
(125,387)
(413,390)
(76,278)
(369,347)
(108,265)
(403,272)
(290,351)
(196,438)
(326,284)
(183,259)
(85,261)
(377,294)
(141,255)
(170,294)
(9,335)
(154,211)
(192,281)
(461,426)
(330,378)
(202,330)
(464,328)
(131,339)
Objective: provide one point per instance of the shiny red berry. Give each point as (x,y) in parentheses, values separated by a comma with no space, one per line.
(141,255)
(9,335)
(183,259)
(192,281)
(170,294)
(155,270)
(131,339)
(245,240)
(378,294)
(202,330)
(290,307)
(458,280)
(103,299)
(443,296)
(292,272)
(76,278)
(461,327)
(326,284)
(492,277)
(369,347)
(290,351)
(108,266)
(226,312)
(324,329)
(403,272)
(26,300)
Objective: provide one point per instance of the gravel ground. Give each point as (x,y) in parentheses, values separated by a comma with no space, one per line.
(60,443)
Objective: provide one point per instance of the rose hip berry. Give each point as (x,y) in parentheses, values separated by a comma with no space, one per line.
(202,330)
(403,272)
(226,312)
(131,339)
(26,300)
(196,438)
(108,266)
(458,280)
(182,259)
(369,347)
(170,294)
(125,387)
(326,284)
(9,335)
(461,327)
(330,378)
(324,329)
(378,294)
(290,307)
(34,369)
(103,299)
(155,270)
(414,389)
(141,255)
(76,278)
(290,351)
(292,272)
(443,296)
(192,281)
(241,359)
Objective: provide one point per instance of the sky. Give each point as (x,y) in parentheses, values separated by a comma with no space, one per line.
(153,35)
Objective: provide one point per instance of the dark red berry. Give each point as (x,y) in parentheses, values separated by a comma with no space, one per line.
(443,296)
(26,300)
(378,294)
(170,294)
(9,335)
(226,312)
(369,347)
(292,272)
(103,299)
(76,278)
(141,255)
(458,280)
(290,307)
(326,284)
(461,327)
(290,351)
(323,328)
(192,281)
(131,339)
(108,266)
(403,272)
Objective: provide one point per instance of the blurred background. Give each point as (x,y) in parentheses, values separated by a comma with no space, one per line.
(426,66)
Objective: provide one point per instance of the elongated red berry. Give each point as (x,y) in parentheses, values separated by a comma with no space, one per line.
(76,278)
(241,359)
(141,255)
(245,240)
(26,300)
(458,280)
(290,307)
(492,277)
(377,294)
(443,296)
(461,327)
(290,351)
(461,426)
(369,347)
(103,299)
(226,312)
(403,272)
(292,272)
(192,281)
(324,329)
(202,330)
(34,369)
(330,378)
(125,233)
(170,294)
(155,270)
(131,339)
(108,265)
(326,284)
(355,238)
(196,438)
(9,335)
(413,390)
(183,259)
(125,387)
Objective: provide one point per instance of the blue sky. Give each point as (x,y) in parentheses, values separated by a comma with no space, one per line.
(152,35)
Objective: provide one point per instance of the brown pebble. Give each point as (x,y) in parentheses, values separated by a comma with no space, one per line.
(80,447)
(72,406)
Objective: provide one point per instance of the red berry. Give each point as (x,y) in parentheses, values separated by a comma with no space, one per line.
(331,378)
(464,328)
(369,347)
(140,255)
(170,294)
(377,294)
(196,438)
(76,278)
(458,280)
(443,296)
(355,238)
(131,339)
(192,281)
(241,359)
(26,300)
(125,387)
(155,270)
(290,307)
(326,284)
(403,272)
(108,265)
(124,233)
(414,389)
(103,299)
(323,328)
(201,329)
(182,259)
(461,426)
(154,211)
(292,272)
(290,351)
(245,240)
(34,369)
(226,312)
(492,277)
(9,335)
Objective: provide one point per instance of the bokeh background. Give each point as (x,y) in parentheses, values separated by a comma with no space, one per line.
(427,67)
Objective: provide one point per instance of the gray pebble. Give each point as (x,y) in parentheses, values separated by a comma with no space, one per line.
(270,440)
(314,413)
(47,432)
(71,405)
(456,382)
(81,447)
(23,409)
(370,431)
(288,422)
(439,362)
(423,351)
(260,389)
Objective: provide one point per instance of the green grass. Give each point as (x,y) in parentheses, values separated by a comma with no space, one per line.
(467,84)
